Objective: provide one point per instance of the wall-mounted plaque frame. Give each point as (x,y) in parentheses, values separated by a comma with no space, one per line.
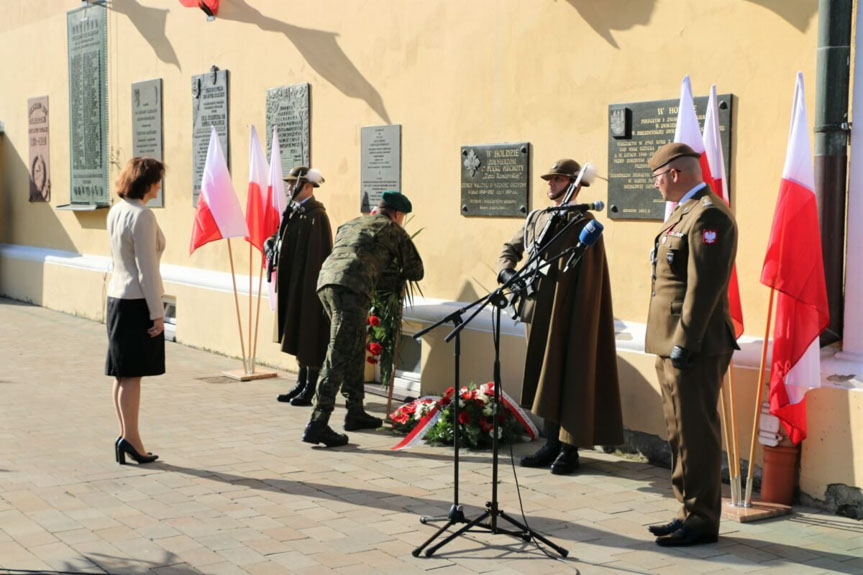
(495,180)
(40,159)
(87,34)
(380,163)
(635,131)
(288,109)
(147,137)
(209,108)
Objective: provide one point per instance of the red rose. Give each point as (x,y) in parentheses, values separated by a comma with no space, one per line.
(464,418)
(484,424)
(375,348)
(374,320)
(372,360)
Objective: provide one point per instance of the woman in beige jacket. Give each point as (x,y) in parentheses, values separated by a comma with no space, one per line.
(135,318)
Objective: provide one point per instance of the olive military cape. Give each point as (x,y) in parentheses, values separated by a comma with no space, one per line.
(570,374)
(306,241)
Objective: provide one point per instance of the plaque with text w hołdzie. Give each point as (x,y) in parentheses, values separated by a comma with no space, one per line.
(635,131)
(495,180)
(381,163)
(147,126)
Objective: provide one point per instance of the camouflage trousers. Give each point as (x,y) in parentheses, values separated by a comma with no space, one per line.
(344,365)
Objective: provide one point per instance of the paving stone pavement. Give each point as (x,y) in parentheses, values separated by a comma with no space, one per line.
(234,490)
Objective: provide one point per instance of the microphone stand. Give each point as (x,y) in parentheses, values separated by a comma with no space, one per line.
(493,511)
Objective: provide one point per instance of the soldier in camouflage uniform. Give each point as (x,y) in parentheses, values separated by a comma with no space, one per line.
(366,249)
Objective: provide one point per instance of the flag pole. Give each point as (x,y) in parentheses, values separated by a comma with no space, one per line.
(737,482)
(727,437)
(258,312)
(747,502)
(251,354)
(237,302)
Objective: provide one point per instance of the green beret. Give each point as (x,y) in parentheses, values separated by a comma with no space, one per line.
(567,168)
(396,201)
(668,152)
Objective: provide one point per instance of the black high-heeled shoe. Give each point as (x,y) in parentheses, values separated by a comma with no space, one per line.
(124,448)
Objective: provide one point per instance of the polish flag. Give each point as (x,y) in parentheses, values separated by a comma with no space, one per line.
(256,203)
(276,201)
(793,266)
(218,215)
(688,132)
(717,179)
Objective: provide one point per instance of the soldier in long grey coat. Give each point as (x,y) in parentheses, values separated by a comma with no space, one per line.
(570,374)
(302,243)
(689,329)
(367,248)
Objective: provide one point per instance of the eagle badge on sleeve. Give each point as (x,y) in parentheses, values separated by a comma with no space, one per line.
(709,236)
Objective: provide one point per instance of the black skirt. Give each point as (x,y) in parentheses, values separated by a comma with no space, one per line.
(131,350)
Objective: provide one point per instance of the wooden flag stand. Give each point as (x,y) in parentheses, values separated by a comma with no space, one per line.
(248,372)
(733,508)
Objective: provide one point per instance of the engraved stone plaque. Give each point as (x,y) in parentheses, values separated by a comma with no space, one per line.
(147,126)
(635,131)
(495,180)
(381,168)
(209,108)
(87,36)
(40,162)
(288,111)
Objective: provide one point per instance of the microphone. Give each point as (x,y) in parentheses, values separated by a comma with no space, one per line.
(596,206)
(588,236)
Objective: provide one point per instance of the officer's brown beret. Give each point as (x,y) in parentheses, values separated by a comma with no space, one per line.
(567,168)
(396,201)
(668,152)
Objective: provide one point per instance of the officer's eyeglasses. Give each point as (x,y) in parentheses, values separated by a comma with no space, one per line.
(659,175)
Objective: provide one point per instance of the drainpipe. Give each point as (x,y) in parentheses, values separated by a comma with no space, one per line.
(831,144)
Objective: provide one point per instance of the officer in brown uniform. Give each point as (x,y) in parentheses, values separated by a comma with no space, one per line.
(367,248)
(689,329)
(570,373)
(299,248)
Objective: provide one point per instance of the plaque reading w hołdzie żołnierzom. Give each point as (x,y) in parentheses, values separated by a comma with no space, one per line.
(635,131)
(495,180)
(147,126)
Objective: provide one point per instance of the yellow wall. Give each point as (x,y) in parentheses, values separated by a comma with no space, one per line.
(452,74)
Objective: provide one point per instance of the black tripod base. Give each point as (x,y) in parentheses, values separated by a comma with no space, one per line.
(524,532)
(455,515)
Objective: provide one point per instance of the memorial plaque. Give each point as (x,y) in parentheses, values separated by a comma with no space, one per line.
(635,131)
(87,34)
(288,111)
(381,167)
(495,180)
(40,162)
(209,108)
(147,126)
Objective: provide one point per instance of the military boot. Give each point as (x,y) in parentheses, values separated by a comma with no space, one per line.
(357,418)
(297,389)
(567,461)
(308,392)
(319,432)
(548,452)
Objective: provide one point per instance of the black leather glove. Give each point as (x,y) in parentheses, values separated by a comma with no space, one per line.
(681,358)
(269,245)
(505,275)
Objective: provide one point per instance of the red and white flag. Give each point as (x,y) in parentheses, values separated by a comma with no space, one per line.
(256,202)
(717,179)
(688,132)
(276,201)
(218,215)
(794,267)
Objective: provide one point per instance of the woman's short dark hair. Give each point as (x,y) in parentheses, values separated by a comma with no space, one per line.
(137,177)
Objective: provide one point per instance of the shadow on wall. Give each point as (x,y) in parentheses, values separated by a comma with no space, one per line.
(150,23)
(320,50)
(610,15)
(798,14)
